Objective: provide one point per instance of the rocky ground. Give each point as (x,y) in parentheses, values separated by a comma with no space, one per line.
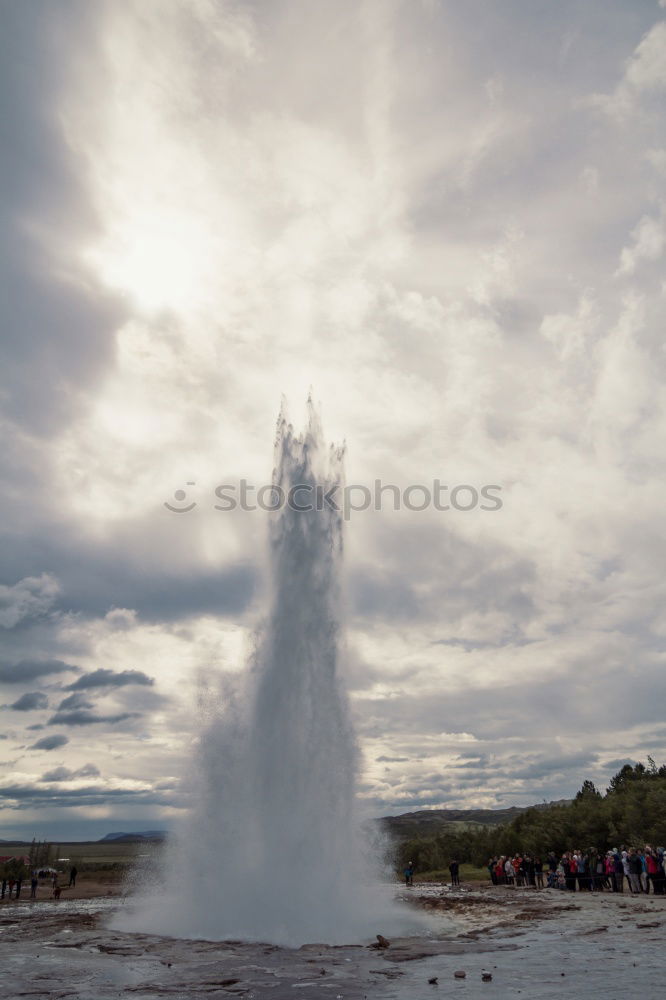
(507,942)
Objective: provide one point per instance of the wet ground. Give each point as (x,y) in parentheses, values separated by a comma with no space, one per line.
(533,944)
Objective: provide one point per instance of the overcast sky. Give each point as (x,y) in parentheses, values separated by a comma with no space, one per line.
(449,219)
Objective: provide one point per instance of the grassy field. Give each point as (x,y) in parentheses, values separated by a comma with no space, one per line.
(88,856)
(111,859)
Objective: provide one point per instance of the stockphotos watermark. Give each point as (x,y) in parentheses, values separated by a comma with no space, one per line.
(350,499)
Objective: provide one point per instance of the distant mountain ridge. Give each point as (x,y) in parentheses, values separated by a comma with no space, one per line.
(421,823)
(143,835)
(429,822)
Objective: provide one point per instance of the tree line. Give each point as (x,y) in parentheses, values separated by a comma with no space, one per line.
(631,812)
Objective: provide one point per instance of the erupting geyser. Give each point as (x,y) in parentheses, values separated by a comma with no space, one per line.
(271,850)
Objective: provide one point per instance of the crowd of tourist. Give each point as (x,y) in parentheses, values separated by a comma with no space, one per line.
(11,886)
(636,869)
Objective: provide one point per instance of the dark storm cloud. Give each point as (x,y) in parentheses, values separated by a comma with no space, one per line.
(81,717)
(110,678)
(58,324)
(95,576)
(26,796)
(29,701)
(155,596)
(50,742)
(59,330)
(618,763)
(65,774)
(57,774)
(27,670)
(542,767)
(74,701)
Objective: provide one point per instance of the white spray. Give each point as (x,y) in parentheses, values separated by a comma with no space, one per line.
(271,850)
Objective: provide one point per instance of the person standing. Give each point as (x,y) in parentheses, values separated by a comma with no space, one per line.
(522,871)
(645,884)
(34,882)
(660,878)
(499,871)
(72,876)
(600,880)
(538,872)
(528,868)
(618,867)
(624,854)
(635,869)
(454,869)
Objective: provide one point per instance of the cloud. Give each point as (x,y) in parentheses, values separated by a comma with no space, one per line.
(24,796)
(31,700)
(65,774)
(28,670)
(29,598)
(95,573)
(122,619)
(648,241)
(110,678)
(50,742)
(475,295)
(87,771)
(74,701)
(646,70)
(85,718)
(47,287)
(540,767)
(618,763)
(644,76)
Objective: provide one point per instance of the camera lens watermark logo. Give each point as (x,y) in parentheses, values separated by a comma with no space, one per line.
(349,499)
(180,496)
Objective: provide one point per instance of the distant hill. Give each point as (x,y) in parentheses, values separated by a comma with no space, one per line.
(430,822)
(143,835)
